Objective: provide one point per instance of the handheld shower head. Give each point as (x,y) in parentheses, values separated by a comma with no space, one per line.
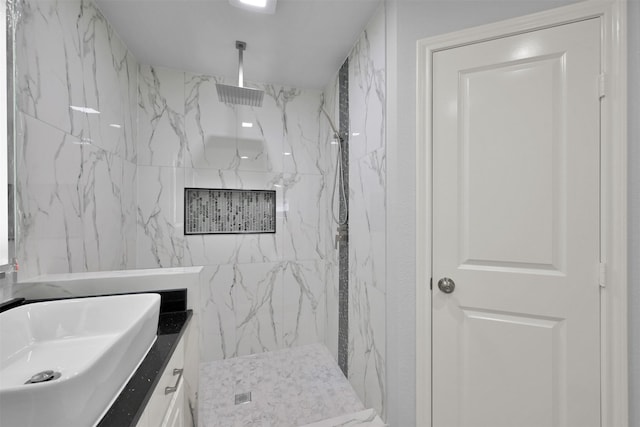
(340,178)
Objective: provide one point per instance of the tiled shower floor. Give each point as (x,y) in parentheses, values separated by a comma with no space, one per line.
(291,387)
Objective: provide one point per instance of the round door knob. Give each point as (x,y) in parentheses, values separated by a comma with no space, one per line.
(446,285)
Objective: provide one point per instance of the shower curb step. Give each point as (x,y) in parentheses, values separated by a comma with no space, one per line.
(368,417)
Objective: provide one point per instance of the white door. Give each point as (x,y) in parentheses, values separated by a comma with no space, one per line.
(516,157)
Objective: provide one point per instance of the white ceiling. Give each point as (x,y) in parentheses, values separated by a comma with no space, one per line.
(303,44)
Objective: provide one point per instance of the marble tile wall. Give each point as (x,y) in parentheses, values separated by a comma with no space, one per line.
(6,285)
(260,292)
(76,185)
(330,153)
(367,213)
(105,191)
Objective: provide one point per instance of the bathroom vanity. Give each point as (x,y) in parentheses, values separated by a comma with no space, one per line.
(119,361)
(155,395)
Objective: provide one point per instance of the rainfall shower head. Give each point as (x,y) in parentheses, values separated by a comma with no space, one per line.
(240,95)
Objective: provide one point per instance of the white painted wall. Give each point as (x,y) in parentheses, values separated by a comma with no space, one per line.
(409,21)
(633,19)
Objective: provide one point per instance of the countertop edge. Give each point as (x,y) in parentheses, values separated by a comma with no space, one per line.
(117,415)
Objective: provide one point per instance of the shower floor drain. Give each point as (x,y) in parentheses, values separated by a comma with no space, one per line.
(243,398)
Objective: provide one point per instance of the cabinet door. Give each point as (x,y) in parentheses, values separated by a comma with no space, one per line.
(175,416)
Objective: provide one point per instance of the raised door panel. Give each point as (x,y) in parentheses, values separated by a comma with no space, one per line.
(511,164)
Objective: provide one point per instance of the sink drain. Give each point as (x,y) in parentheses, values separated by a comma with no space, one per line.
(43,376)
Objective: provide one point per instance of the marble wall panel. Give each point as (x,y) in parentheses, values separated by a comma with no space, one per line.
(304,235)
(329,160)
(262,292)
(367,204)
(109,74)
(301,118)
(304,303)
(162,140)
(74,203)
(210,126)
(217,313)
(160,216)
(69,58)
(367,341)
(49,63)
(49,199)
(259,307)
(332,302)
(329,156)
(367,90)
(67,55)
(130,209)
(105,209)
(367,230)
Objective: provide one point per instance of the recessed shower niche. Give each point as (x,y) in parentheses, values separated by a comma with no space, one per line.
(226,211)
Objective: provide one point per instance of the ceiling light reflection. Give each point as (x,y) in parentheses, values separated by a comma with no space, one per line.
(255,3)
(86,110)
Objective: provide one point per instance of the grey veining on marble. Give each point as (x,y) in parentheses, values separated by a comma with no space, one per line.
(75,193)
(367,203)
(289,387)
(160,239)
(261,292)
(104,191)
(329,156)
(67,55)
(258,307)
(162,140)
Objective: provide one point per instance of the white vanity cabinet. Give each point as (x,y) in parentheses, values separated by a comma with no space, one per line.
(168,406)
(176,415)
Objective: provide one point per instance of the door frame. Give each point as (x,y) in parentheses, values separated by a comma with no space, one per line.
(613,199)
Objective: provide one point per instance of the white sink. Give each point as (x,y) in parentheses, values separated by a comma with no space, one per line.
(94,344)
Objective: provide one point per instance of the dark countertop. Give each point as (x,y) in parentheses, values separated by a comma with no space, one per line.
(129,406)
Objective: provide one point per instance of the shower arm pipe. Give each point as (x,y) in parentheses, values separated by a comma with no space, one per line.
(241,46)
